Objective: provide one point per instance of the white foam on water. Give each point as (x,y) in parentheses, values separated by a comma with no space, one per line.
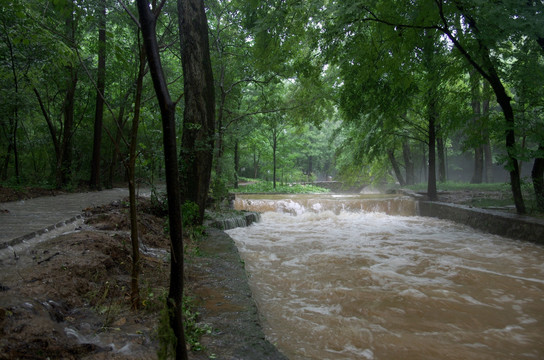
(338,274)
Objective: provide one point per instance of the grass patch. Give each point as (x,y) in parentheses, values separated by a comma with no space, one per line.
(268,187)
(458,186)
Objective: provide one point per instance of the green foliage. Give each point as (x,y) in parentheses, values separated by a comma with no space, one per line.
(165,334)
(267,187)
(189,212)
(192,329)
(460,186)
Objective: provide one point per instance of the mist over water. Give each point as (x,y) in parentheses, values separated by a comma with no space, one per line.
(338,284)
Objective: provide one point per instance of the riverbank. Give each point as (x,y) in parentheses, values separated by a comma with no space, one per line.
(67,296)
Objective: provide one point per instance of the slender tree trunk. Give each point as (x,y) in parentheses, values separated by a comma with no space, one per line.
(432,109)
(488,156)
(537,175)
(199,113)
(396,167)
(441,152)
(219,126)
(15,121)
(431,181)
(5,166)
(476,96)
(274,150)
(100,87)
(64,163)
(236,163)
(168,108)
(120,125)
(255,163)
(408,163)
(487,69)
(310,167)
(135,288)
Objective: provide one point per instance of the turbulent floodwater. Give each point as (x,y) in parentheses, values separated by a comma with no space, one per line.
(336,284)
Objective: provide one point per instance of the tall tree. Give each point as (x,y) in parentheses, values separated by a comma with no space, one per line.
(197,142)
(100,87)
(148,22)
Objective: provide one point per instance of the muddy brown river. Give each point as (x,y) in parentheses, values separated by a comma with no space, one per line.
(338,277)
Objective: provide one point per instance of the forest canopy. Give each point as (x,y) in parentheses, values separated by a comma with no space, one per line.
(380,91)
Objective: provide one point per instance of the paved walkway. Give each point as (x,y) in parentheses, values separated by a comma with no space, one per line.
(25,219)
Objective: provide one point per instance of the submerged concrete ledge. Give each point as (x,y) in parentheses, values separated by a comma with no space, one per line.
(495,222)
(241,220)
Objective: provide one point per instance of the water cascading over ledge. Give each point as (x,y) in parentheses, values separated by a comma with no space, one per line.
(233,222)
(336,283)
(390,204)
(494,222)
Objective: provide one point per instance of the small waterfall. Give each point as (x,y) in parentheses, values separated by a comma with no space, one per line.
(300,204)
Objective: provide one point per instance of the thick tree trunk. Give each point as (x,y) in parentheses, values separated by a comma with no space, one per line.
(515,182)
(432,109)
(199,113)
(537,175)
(168,108)
(408,163)
(396,167)
(100,87)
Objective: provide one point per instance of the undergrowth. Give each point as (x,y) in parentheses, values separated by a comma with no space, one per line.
(268,187)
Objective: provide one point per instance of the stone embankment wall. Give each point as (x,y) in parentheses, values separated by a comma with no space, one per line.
(494,222)
(238,221)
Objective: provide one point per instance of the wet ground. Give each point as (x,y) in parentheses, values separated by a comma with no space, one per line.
(64,293)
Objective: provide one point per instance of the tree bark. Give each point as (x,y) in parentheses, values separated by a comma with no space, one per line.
(134,287)
(431,180)
(168,108)
(236,163)
(274,150)
(94,182)
(488,155)
(64,163)
(408,163)
(441,152)
(487,69)
(537,175)
(199,114)
(14,122)
(396,167)
(476,95)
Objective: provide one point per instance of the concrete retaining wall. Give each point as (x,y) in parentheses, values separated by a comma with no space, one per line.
(495,222)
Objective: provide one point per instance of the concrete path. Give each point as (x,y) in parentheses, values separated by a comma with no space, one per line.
(25,219)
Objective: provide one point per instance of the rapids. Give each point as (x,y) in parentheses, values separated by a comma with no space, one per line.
(335,278)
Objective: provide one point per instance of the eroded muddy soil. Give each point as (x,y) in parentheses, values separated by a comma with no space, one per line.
(68,297)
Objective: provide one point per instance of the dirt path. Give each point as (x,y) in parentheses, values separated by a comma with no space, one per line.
(24,219)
